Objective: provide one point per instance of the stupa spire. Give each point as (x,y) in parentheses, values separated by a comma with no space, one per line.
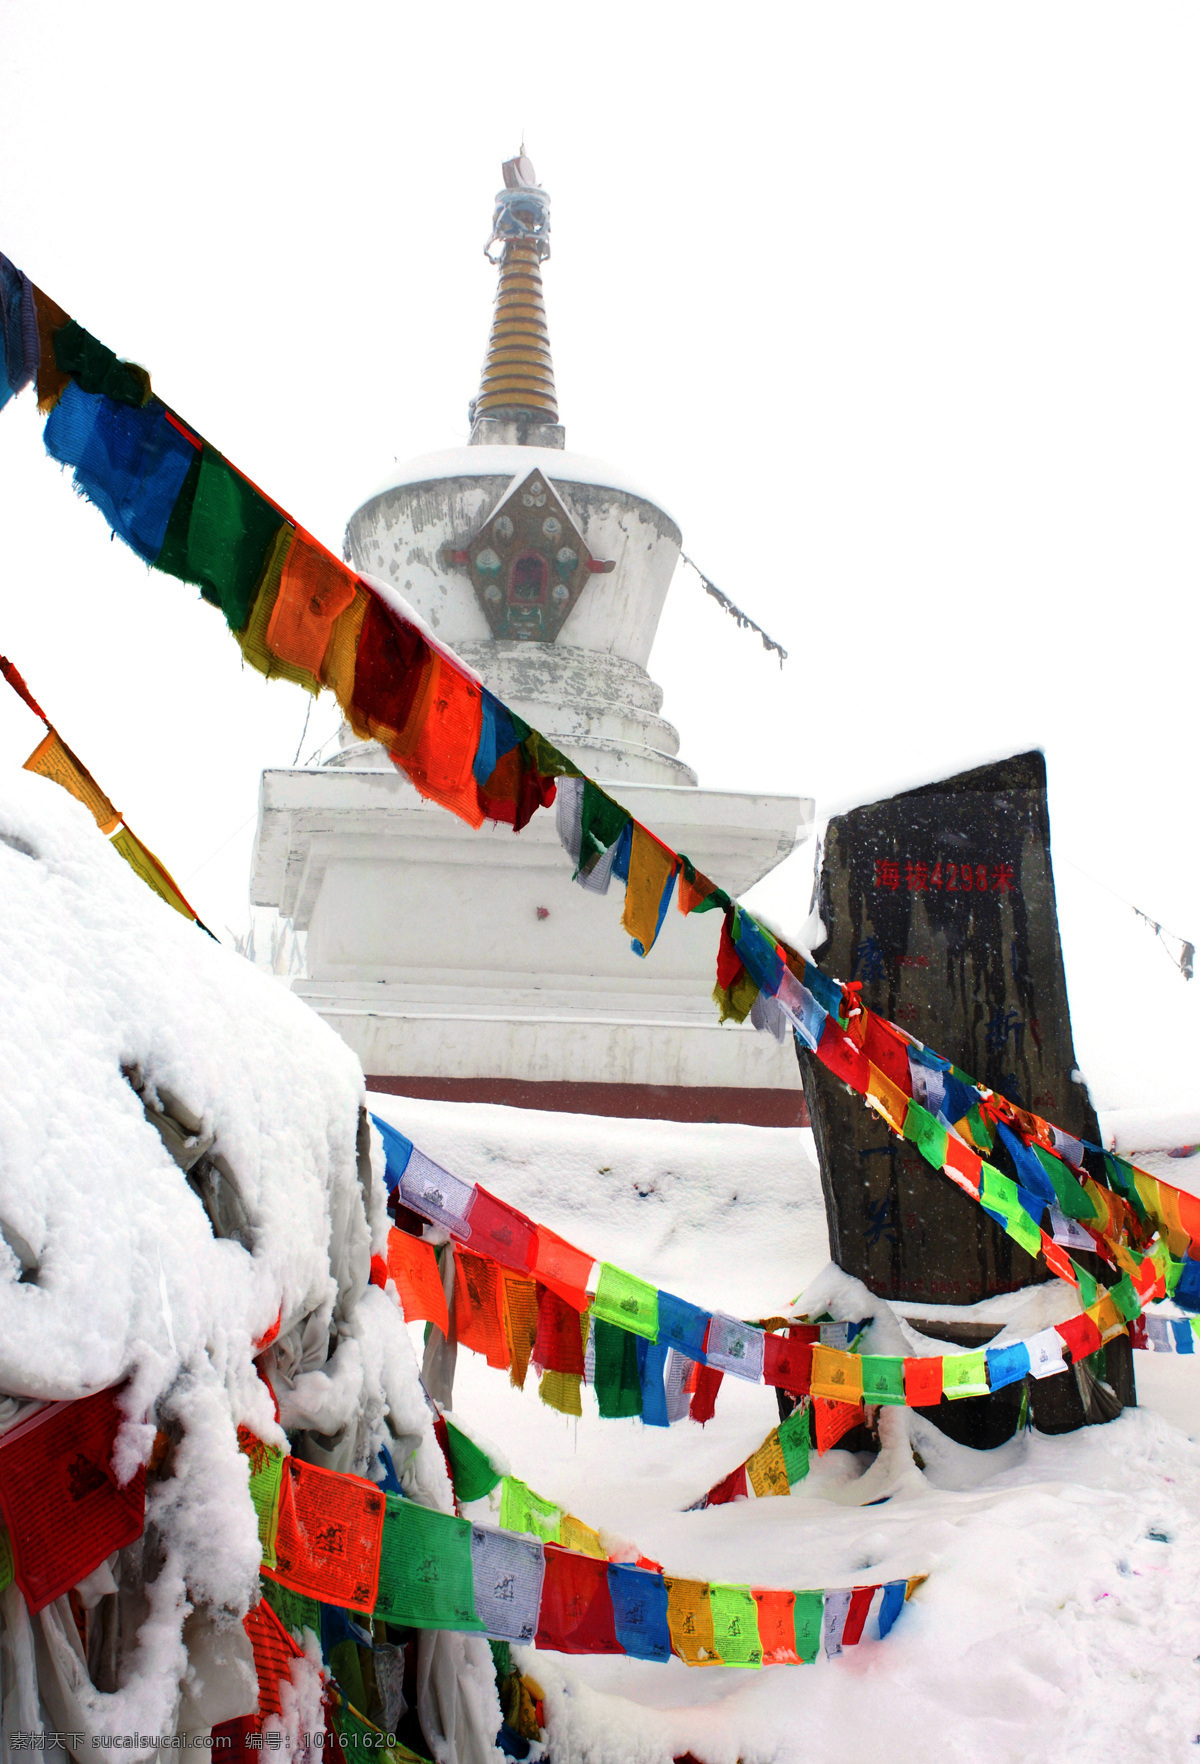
(516,399)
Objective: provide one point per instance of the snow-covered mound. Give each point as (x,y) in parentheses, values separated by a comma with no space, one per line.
(1060,1617)
(184,1162)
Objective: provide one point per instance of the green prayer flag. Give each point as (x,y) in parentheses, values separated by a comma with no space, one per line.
(266,1473)
(544,757)
(95,368)
(361,1737)
(425,1575)
(523,1510)
(1072,1201)
(809,1615)
(999,1192)
(296,1611)
(794,1443)
(735,1625)
(601,823)
(965,1375)
(981,1127)
(625,1300)
(618,1387)
(882,1378)
(926,1133)
(471,1470)
(1124,1296)
(1089,1291)
(218,536)
(7,1566)
(346,1666)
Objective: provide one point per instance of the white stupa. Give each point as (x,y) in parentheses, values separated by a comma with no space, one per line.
(469,965)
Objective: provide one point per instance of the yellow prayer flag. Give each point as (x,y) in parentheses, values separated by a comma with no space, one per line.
(912,1583)
(573,1534)
(152,873)
(836,1376)
(767,1469)
(337,670)
(888,1098)
(689,1619)
(1106,1317)
(651,867)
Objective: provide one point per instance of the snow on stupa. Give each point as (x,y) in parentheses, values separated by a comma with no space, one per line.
(468,965)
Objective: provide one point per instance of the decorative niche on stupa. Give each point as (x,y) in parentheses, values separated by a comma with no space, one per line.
(528,563)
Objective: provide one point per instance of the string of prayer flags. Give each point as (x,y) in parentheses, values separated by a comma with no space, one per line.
(185,508)
(328,1536)
(413,1265)
(60,1500)
(425,1577)
(53,759)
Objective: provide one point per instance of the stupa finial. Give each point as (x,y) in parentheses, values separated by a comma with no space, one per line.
(516,391)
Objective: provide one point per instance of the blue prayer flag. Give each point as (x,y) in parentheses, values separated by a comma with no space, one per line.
(397,1150)
(682,1326)
(652,1363)
(129,461)
(891,1605)
(1006,1365)
(1187,1293)
(1030,1173)
(639,1599)
(760,957)
(1185,1341)
(497,736)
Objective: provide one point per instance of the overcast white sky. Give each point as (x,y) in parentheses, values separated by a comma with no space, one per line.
(894,306)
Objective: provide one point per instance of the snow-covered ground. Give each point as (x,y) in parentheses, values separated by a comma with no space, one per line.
(1061,1617)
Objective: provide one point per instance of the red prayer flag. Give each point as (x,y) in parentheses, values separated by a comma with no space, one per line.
(393,677)
(787,1363)
(413,1266)
(562,1267)
(731,1488)
(478,1323)
(729,962)
(59,1496)
(559,1344)
(834,1420)
(1058,1260)
(330,1531)
(274,1649)
(839,1054)
(438,751)
(963,1165)
(884,1049)
(500,1231)
(576,1615)
(776,1626)
(1081,1336)
(704,1397)
(856,1616)
(923,1382)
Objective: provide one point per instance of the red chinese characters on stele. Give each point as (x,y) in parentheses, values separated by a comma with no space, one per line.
(917,876)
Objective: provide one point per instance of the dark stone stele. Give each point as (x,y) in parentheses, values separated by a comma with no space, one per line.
(940,901)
